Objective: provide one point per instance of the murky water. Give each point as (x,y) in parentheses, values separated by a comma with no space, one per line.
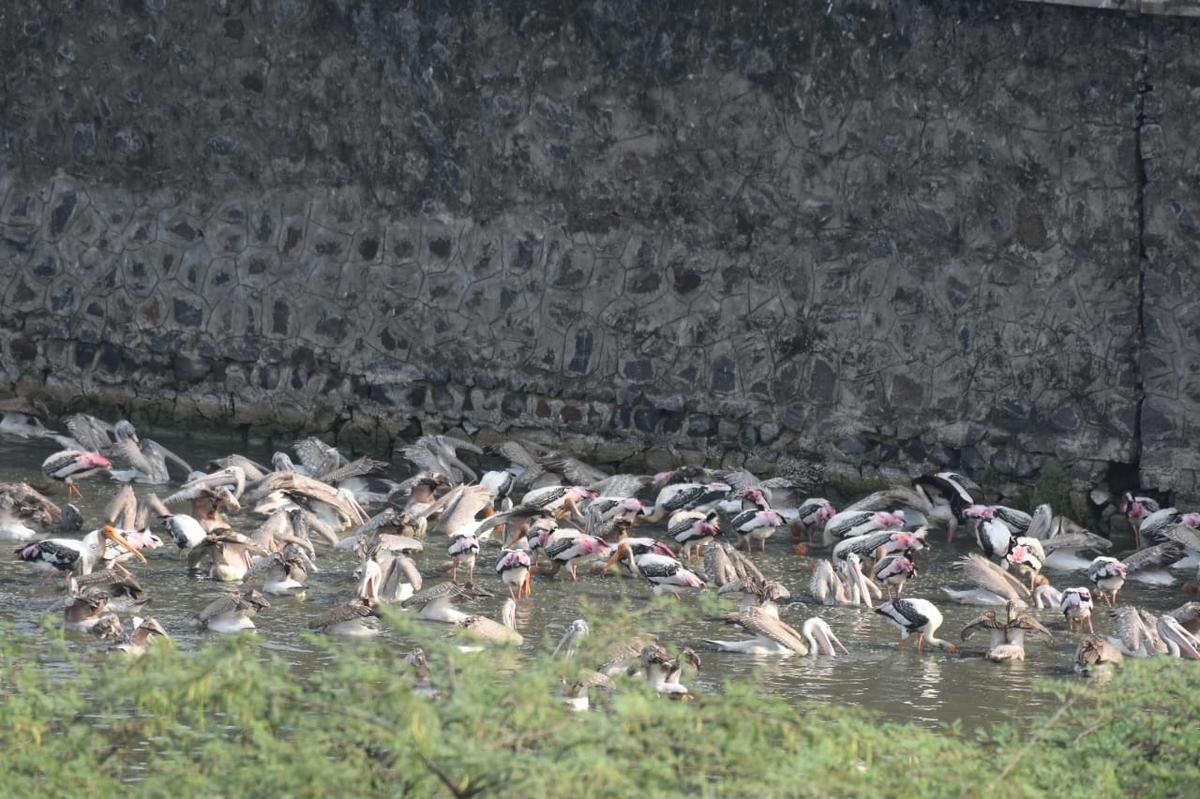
(933,689)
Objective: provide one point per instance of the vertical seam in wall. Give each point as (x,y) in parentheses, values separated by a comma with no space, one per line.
(1141,88)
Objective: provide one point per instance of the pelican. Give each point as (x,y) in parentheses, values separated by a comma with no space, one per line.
(123,590)
(287,570)
(435,602)
(72,555)
(918,616)
(142,461)
(145,632)
(486,630)
(850,587)
(232,613)
(994,586)
(359,616)
(663,672)
(84,610)
(20,506)
(228,554)
(1136,633)
(1095,652)
(1065,543)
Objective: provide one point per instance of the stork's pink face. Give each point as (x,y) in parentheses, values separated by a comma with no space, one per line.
(663,477)
(980,512)
(1192,520)
(1137,510)
(772,517)
(543,537)
(95,460)
(722,487)
(889,520)
(753,494)
(631,505)
(578,493)
(1019,554)
(826,513)
(708,528)
(908,541)
(1119,568)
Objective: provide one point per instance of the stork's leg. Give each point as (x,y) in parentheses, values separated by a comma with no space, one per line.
(454,570)
(73,490)
(762,545)
(920,641)
(1090,628)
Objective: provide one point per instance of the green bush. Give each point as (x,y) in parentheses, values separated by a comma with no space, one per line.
(234,720)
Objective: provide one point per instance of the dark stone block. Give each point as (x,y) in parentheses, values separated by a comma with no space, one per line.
(188,315)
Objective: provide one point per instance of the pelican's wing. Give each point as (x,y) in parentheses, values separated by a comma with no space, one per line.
(445,590)
(891,498)
(1040,521)
(1072,541)
(755,622)
(471,500)
(401,569)
(128,452)
(717,566)
(121,511)
(1158,556)
(989,576)
(167,455)
(348,611)
(621,485)
(451,444)
(22,500)
(253,470)
(1184,536)
(218,607)
(356,468)
(318,457)
(1026,622)
(424,459)
(1129,627)
(94,434)
(576,471)
(739,479)
(743,566)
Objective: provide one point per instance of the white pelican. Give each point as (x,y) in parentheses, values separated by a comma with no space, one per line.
(20,506)
(1093,653)
(232,613)
(435,602)
(993,585)
(488,631)
(145,631)
(228,553)
(663,672)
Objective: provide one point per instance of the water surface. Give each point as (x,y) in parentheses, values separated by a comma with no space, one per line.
(933,689)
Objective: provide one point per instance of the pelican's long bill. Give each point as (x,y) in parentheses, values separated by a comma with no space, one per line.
(111,533)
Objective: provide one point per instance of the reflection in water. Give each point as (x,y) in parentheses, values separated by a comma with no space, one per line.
(933,688)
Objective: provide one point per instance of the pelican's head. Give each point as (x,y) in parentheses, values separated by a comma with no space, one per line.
(569,642)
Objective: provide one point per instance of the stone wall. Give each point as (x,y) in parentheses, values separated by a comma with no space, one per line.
(878,236)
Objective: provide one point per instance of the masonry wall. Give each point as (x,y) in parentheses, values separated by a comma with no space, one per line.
(861,236)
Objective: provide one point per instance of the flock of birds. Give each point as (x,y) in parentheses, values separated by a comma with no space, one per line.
(260,528)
